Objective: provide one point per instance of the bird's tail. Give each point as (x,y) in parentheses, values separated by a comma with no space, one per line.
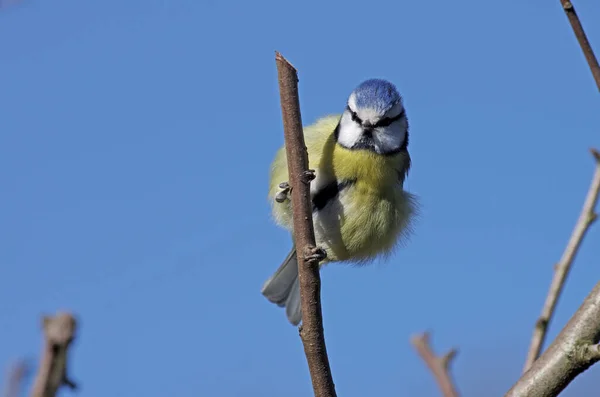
(283,288)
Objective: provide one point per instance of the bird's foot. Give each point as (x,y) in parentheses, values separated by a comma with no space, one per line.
(309,175)
(315,254)
(284,190)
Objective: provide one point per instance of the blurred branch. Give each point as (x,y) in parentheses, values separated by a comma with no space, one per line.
(439,366)
(573,351)
(59,332)
(14,381)
(586,218)
(6,3)
(311,330)
(582,39)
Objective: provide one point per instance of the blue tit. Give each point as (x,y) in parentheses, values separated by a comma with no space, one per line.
(360,208)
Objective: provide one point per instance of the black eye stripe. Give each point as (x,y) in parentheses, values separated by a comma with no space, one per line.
(387,121)
(381,123)
(354,115)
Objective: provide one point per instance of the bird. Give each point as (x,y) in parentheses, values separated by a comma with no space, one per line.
(360,208)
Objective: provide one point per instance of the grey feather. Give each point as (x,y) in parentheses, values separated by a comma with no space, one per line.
(293,309)
(283,288)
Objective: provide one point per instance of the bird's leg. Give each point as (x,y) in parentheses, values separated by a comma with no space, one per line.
(284,190)
(315,254)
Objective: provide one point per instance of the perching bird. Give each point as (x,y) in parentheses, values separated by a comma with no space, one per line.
(360,208)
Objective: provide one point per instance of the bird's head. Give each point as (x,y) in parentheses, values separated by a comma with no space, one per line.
(374,119)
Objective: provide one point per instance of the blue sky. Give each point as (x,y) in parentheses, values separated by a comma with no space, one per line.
(135,142)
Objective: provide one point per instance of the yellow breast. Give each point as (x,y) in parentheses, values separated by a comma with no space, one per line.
(373,172)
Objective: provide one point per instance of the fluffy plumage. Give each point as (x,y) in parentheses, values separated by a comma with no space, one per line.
(360,209)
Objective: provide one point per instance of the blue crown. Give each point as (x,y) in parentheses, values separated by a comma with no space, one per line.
(376,94)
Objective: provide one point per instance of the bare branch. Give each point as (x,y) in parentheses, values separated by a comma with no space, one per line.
(573,351)
(311,330)
(59,332)
(16,375)
(586,218)
(582,39)
(439,366)
(6,3)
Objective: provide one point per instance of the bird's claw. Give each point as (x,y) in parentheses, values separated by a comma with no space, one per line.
(284,190)
(316,254)
(309,175)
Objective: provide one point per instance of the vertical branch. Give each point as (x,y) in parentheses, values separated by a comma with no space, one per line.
(311,331)
(439,366)
(14,381)
(582,39)
(59,332)
(586,218)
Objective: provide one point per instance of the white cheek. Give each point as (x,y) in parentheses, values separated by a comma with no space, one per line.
(391,137)
(349,132)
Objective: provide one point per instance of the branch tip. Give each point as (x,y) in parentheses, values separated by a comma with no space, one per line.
(439,366)
(59,332)
(567,5)
(284,61)
(422,338)
(584,43)
(446,359)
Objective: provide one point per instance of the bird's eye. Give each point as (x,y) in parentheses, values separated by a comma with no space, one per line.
(354,116)
(389,120)
(383,122)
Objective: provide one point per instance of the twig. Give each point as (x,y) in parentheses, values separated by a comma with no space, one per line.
(586,218)
(439,366)
(16,375)
(583,41)
(4,3)
(59,332)
(311,331)
(573,351)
